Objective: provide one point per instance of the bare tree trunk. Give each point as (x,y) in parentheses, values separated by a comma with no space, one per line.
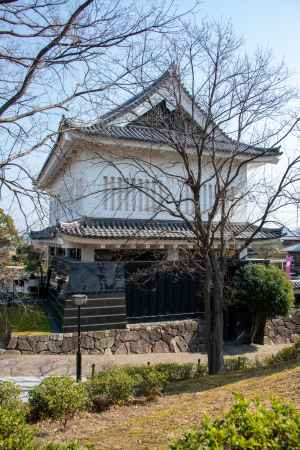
(213,302)
(257,328)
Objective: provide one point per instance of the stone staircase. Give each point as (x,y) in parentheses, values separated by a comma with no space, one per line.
(3,343)
(26,384)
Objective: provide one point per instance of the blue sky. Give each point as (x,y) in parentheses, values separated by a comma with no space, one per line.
(271,24)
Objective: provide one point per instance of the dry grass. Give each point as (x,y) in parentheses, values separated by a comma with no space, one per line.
(153,425)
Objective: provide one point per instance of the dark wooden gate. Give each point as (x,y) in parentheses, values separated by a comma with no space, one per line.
(160,296)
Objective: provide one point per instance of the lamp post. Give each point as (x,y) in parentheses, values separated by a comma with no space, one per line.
(79,300)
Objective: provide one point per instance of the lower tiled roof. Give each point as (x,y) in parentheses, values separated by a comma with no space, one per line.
(143,229)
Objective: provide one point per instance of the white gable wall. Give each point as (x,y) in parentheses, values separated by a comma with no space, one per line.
(90,186)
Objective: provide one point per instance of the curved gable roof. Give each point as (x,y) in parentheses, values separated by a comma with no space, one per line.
(119,122)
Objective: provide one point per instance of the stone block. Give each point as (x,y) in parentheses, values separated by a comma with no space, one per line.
(121,349)
(160,347)
(140,346)
(55,346)
(23,344)
(145,336)
(173,346)
(105,342)
(283,331)
(91,334)
(191,325)
(189,336)
(40,346)
(167,337)
(129,336)
(178,344)
(296,318)
(155,334)
(170,330)
(289,324)
(56,337)
(68,345)
(87,342)
(98,346)
(181,343)
(12,343)
(278,323)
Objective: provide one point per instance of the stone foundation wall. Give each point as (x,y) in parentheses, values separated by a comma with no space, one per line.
(180,336)
(283,329)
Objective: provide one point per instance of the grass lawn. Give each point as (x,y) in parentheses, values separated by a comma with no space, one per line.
(24,318)
(153,425)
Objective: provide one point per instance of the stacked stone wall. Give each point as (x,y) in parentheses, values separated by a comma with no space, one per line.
(179,336)
(283,329)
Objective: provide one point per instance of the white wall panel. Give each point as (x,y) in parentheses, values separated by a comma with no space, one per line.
(91,187)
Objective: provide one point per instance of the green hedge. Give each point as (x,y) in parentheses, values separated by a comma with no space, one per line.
(149,381)
(178,372)
(291,353)
(14,432)
(10,395)
(58,398)
(249,425)
(110,387)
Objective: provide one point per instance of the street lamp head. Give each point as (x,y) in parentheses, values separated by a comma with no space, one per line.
(79,299)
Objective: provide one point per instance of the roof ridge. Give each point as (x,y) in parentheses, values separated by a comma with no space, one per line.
(165,75)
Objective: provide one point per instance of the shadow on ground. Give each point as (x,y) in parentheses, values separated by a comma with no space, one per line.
(214,381)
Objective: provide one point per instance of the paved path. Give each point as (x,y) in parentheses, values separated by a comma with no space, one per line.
(43,365)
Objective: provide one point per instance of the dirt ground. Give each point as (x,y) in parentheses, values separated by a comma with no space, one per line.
(153,425)
(42,365)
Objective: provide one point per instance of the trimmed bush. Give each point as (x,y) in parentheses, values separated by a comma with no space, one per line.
(236,363)
(114,386)
(176,372)
(201,370)
(153,383)
(248,425)
(266,291)
(286,354)
(58,398)
(14,432)
(148,380)
(10,395)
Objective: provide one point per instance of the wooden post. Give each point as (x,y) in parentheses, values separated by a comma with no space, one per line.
(93,371)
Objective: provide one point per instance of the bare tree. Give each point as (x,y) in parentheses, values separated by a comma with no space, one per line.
(237,118)
(54,55)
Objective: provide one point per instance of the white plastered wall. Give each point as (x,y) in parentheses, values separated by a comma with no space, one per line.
(89,185)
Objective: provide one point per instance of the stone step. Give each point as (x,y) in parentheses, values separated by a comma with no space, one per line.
(3,341)
(25,383)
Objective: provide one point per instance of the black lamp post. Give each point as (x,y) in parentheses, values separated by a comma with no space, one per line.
(79,300)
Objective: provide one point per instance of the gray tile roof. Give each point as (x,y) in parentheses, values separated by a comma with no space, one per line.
(137,99)
(142,229)
(293,249)
(102,127)
(166,137)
